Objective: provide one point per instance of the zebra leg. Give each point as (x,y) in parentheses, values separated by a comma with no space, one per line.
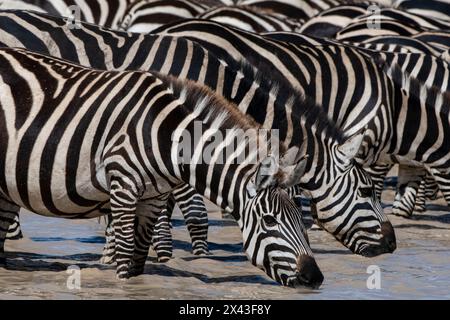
(428,190)
(162,237)
(195,215)
(409,179)
(123,199)
(14,230)
(421,198)
(8,213)
(443,182)
(378,173)
(109,250)
(146,216)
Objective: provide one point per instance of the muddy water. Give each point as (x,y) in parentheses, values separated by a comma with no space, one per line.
(37,265)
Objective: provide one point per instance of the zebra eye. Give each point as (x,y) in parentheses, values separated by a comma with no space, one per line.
(269,220)
(366,192)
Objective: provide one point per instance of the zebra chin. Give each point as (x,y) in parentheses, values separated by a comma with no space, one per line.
(387,244)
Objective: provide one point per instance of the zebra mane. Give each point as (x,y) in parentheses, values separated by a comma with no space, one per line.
(303,107)
(214,108)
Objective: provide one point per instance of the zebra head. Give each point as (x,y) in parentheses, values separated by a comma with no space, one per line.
(344,202)
(275,238)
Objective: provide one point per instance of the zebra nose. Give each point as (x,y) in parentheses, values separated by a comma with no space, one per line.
(388,236)
(308,273)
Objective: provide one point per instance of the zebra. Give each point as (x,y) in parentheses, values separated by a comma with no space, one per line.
(250,19)
(195,30)
(115,123)
(420,64)
(107,13)
(295,9)
(414,185)
(151,14)
(295,68)
(165,54)
(400,44)
(330,21)
(431,8)
(389,21)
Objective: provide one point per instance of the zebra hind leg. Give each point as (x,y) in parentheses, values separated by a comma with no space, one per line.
(195,215)
(378,173)
(443,182)
(8,215)
(409,180)
(428,190)
(109,250)
(421,198)
(146,217)
(162,237)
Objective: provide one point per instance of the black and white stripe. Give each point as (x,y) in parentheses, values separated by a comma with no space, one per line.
(115,124)
(147,15)
(107,13)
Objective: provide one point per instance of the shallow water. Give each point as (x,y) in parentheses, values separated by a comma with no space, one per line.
(37,265)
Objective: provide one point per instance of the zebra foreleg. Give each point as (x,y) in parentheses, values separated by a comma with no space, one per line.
(409,179)
(8,214)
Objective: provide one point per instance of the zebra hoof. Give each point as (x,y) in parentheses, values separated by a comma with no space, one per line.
(402,214)
(107,260)
(123,275)
(201,252)
(136,271)
(164,259)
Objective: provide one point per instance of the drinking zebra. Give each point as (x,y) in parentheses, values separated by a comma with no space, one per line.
(116,124)
(324,61)
(261,99)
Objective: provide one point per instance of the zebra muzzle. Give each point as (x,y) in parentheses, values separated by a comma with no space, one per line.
(308,274)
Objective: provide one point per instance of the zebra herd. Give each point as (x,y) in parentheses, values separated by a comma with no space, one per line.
(350,87)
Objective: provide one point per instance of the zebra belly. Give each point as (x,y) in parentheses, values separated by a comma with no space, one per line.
(56,197)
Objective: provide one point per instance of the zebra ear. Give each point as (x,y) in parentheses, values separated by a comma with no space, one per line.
(351,146)
(293,155)
(293,165)
(266,174)
(293,173)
